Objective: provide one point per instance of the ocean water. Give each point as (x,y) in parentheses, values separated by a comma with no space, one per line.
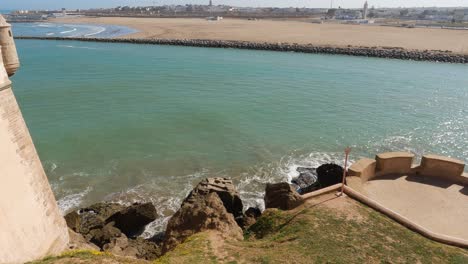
(122,122)
(65,30)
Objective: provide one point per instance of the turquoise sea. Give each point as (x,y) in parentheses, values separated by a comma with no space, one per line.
(130,123)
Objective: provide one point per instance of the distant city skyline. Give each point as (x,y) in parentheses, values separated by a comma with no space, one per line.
(84,4)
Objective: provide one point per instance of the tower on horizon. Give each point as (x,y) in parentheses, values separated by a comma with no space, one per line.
(211,3)
(365,10)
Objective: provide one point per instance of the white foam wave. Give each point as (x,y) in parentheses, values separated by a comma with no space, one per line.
(68,31)
(99,31)
(72,201)
(45,25)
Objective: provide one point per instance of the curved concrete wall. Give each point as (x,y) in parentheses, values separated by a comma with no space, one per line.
(401,163)
(31,225)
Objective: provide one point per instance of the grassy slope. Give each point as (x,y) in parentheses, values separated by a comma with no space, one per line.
(327,230)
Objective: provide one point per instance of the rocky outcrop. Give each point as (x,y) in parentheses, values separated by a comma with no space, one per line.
(106,226)
(132,220)
(282,196)
(212,205)
(380,52)
(329,174)
(250,217)
(307,180)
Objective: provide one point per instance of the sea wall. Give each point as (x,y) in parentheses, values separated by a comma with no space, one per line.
(379,52)
(31,225)
(401,163)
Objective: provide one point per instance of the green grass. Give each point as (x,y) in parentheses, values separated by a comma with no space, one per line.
(318,234)
(86,256)
(196,249)
(322,235)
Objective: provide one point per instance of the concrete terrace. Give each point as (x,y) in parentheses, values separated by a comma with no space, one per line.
(433,195)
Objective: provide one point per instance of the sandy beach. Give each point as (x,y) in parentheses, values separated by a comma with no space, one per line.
(287,31)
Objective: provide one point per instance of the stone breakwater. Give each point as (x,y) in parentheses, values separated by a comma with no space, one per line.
(379,52)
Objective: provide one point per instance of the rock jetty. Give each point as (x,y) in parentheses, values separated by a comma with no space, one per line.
(379,52)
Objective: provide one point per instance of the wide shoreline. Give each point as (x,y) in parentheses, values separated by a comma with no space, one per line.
(378,52)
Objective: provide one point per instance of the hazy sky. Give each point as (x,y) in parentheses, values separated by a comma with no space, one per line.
(73,4)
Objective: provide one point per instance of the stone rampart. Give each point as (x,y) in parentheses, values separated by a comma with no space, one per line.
(31,225)
(401,163)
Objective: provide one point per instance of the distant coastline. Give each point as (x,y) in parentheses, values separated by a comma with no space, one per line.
(378,52)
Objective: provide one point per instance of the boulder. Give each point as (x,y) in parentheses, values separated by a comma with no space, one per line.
(104,210)
(307,180)
(282,196)
(202,210)
(133,219)
(226,191)
(93,217)
(250,217)
(329,174)
(104,235)
(108,226)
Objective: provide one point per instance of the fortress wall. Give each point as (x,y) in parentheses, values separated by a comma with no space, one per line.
(31,225)
(401,163)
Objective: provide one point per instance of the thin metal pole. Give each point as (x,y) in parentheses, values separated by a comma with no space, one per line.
(347,151)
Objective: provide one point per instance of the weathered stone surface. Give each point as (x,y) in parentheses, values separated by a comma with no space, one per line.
(105,224)
(204,209)
(133,219)
(329,174)
(137,248)
(102,236)
(144,249)
(226,191)
(78,242)
(250,217)
(306,181)
(92,217)
(281,195)
(104,210)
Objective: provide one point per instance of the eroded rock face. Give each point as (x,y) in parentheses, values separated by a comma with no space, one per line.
(105,225)
(226,191)
(282,196)
(133,219)
(212,205)
(250,217)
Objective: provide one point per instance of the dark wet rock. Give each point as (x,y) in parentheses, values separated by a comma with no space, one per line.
(282,196)
(133,219)
(204,209)
(329,174)
(250,217)
(105,225)
(253,212)
(93,217)
(104,210)
(306,181)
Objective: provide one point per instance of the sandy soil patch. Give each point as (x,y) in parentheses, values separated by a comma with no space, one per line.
(288,31)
